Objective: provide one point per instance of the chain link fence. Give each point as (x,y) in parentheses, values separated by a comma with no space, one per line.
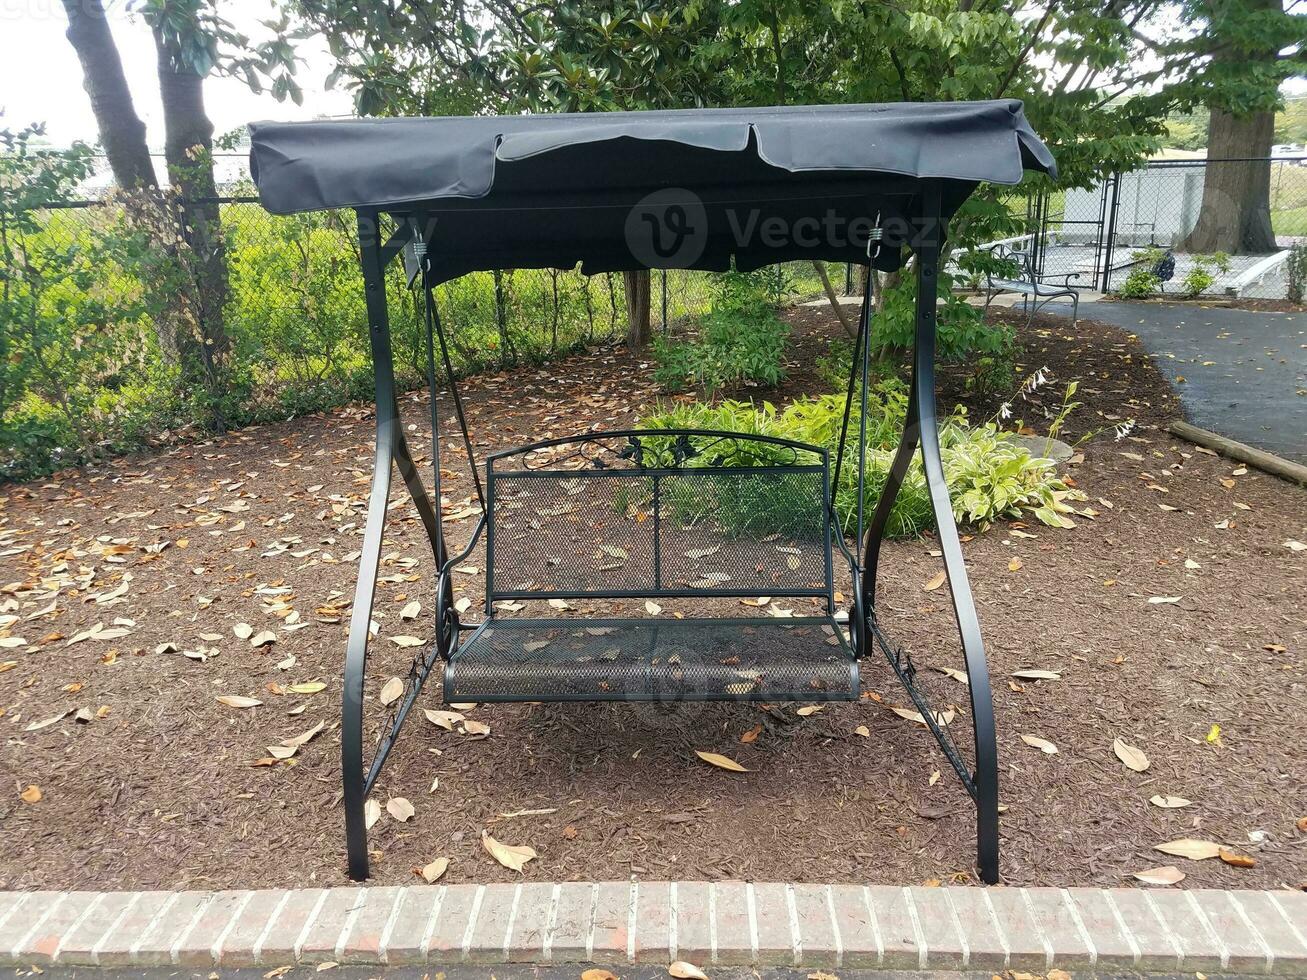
(85,371)
(1158,231)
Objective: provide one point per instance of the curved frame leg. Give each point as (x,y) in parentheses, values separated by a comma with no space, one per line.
(391,449)
(922,428)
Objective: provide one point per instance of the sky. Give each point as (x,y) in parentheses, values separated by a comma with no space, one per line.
(41,79)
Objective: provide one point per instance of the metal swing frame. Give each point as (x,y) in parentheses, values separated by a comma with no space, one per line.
(921,432)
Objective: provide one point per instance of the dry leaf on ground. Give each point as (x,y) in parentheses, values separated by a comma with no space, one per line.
(598,974)
(512,856)
(400,808)
(1131,757)
(371,813)
(1043,744)
(1036,675)
(935,582)
(720,761)
(434,871)
(239,701)
(1236,860)
(1166,875)
(1187,847)
(391,690)
(31,795)
(1169,802)
(686,971)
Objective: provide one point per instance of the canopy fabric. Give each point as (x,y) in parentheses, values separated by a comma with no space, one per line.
(618,191)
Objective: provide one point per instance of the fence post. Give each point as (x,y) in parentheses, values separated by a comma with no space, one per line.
(1110,214)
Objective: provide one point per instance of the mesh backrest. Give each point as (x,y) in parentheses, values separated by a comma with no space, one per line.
(737,531)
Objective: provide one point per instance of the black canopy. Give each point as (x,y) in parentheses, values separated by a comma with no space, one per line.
(668,189)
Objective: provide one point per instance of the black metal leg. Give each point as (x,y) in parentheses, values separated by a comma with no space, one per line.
(356,656)
(391,450)
(922,428)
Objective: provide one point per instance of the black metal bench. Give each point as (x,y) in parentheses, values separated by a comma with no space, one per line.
(656,515)
(1018,276)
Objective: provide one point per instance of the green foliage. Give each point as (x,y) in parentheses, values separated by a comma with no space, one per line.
(990,476)
(961,331)
(1141,283)
(1202,274)
(1295,270)
(740,339)
(83,374)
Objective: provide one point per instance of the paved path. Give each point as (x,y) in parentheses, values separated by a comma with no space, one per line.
(630,926)
(1245,373)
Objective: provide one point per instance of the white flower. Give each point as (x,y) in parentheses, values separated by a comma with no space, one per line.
(1005,411)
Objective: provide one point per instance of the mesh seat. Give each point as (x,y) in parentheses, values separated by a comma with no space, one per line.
(800,659)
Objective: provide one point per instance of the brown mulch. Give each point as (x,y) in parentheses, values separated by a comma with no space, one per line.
(158,787)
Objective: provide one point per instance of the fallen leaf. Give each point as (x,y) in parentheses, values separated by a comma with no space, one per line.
(512,856)
(686,971)
(243,631)
(239,701)
(1166,875)
(307,687)
(865,732)
(406,641)
(1237,860)
(32,794)
(263,639)
(1158,600)
(751,735)
(941,717)
(411,610)
(1131,757)
(36,726)
(598,974)
(958,675)
(935,582)
(434,871)
(1214,735)
(1037,675)
(391,691)
(442,719)
(473,727)
(720,761)
(400,808)
(1187,847)
(1043,744)
(809,709)
(1015,565)
(1169,802)
(652,608)
(371,813)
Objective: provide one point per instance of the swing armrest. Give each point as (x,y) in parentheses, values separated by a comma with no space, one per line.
(451,562)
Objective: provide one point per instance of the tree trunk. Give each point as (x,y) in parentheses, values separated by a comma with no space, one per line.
(122,134)
(638,328)
(188,147)
(1236,211)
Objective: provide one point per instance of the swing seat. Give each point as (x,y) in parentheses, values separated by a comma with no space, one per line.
(638,518)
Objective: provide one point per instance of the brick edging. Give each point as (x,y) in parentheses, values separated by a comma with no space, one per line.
(709,924)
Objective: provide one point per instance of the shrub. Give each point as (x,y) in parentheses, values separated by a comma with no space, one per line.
(1196,281)
(1199,278)
(989,475)
(1295,270)
(1141,283)
(741,338)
